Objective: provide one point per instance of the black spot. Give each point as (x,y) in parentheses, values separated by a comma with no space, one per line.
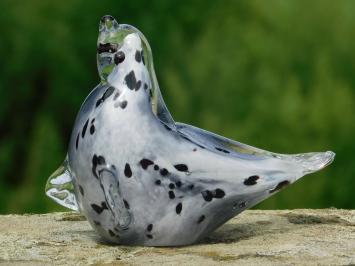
(207,195)
(178,208)
(125,202)
(84,128)
(149,236)
(143,60)
(116,96)
(107,48)
(138,56)
(99,101)
(127,170)
(111,233)
(200,220)
(194,149)
(77,141)
(171,194)
(158,182)
(104,206)
(186,138)
(131,80)
(101,160)
(202,147)
(178,184)
(149,227)
(280,186)
(191,186)
(119,57)
(181,167)
(81,190)
(156,167)
(94,165)
(145,163)
(167,128)
(99,209)
(222,150)
(138,85)
(251,180)
(97,223)
(108,93)
(145,86)
(123,104)
(96,160)
(92,129)
(219,193)
(171,186)
(164,172)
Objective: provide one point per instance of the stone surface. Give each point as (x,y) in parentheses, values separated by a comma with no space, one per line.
(312,237)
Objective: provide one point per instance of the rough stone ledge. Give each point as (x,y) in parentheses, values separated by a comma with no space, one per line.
(256,237)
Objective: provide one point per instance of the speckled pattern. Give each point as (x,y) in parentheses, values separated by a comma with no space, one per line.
(132,166)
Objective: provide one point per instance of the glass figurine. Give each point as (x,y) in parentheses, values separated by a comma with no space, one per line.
(142,179)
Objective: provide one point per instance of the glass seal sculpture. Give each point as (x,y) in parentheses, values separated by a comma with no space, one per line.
(142,179)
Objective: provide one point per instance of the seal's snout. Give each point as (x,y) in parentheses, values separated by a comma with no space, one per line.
(108,23)
(107,17)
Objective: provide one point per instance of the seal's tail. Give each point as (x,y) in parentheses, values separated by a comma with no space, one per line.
(312,161)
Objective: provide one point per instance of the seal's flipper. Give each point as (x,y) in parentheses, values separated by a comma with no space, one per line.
(60,187)
(111,187)
(310,162)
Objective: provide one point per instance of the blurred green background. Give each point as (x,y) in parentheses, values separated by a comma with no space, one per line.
(279,75)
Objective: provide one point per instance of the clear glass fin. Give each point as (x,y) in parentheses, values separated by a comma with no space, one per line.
(60,187)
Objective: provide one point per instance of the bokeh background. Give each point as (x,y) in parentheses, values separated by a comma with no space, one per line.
(279,75)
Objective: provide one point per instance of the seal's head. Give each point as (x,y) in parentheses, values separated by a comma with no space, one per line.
(123,49)
(117,44)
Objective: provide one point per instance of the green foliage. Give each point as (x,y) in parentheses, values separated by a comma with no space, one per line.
(279,75)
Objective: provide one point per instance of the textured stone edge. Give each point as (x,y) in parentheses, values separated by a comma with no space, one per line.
(271,237)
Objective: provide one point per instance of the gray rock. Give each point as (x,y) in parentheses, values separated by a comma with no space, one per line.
(256,237)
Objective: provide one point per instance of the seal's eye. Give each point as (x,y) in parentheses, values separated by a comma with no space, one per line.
(107,48)
(119,57)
